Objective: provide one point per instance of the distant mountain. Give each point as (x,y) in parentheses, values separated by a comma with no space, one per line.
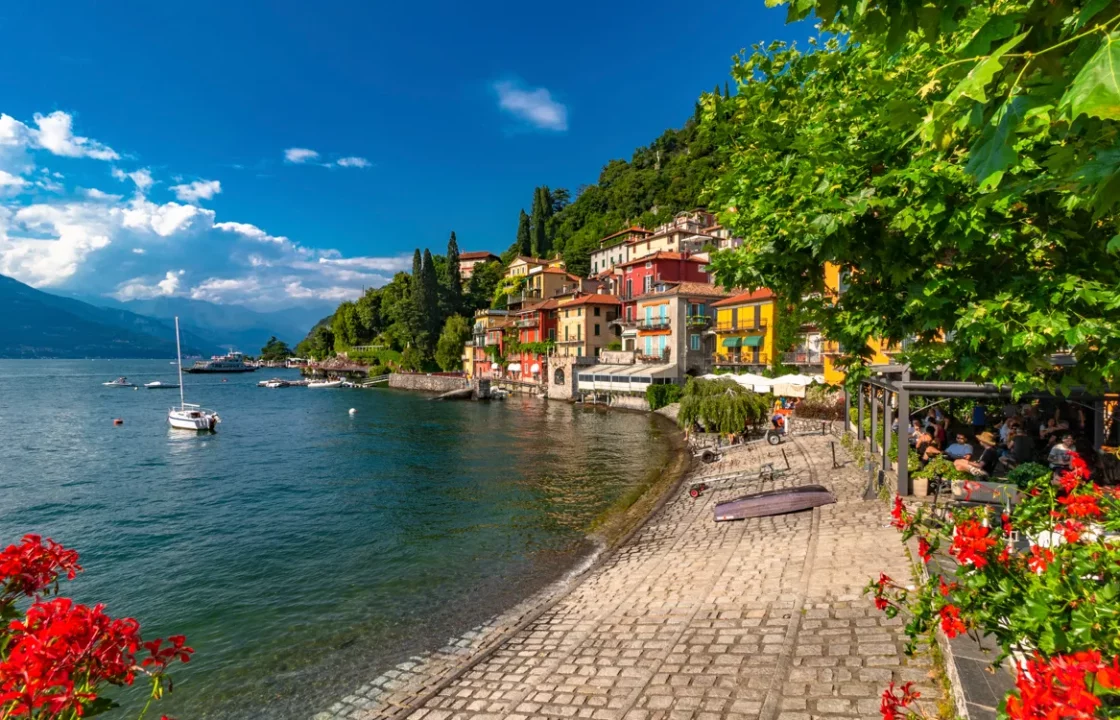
(36,324)
(229,326)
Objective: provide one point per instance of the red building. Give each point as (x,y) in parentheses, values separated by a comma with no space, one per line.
(638,276)
(534,324)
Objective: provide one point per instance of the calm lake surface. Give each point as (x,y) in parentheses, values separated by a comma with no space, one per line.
(302,550)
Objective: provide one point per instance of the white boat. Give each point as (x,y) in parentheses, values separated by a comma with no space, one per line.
(324,384)
(157,385)
(276,384)
(234,362)
(119,382)
(189,416)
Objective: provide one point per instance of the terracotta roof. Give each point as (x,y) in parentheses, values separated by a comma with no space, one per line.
(631,229)
(477,255)
(531,260)
(688,289)
(662,255)
(543,305)
(594,299)
(760,294)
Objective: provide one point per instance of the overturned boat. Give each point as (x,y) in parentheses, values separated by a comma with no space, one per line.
(774,502)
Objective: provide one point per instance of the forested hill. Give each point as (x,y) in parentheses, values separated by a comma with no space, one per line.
(661,179)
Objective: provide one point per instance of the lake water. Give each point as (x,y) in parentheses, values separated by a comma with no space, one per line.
(300,549)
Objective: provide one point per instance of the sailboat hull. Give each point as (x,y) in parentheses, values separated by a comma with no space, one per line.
(192,420)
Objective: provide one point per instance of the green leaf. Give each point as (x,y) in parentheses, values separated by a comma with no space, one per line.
(974,84)
(996,28)
(1089,11)
(1114,244)
(994,150)
(1096,89)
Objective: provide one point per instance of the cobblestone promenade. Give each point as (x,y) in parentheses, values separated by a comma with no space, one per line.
(692,619)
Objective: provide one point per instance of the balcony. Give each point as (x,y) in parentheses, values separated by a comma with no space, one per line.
(573,341)
(803,357)
(657,323)
(698,321)
(741,326)
(658,358)
(741,360)
(527,295)
(493,340)
(528,323)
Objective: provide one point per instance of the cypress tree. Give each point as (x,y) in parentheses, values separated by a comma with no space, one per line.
(416,305)
(542,210)
(726,93)
(524,239)
(454,280)
(429,291)
(716,92)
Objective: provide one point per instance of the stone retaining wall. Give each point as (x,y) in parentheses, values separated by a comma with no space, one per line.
(427,383)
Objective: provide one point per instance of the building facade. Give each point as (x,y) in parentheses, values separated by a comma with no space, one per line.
(488,330)
(615,249)
(639,277)
(535,326)
(745,330)
(584,325)
(674,326)
(685,233)
(468,260)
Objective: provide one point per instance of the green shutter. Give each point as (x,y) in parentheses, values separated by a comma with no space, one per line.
(753,341)
(732,342)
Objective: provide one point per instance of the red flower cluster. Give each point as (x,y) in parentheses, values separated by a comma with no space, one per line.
(925,551)
(161,657)
(895,703)
(971,542)
(881,602)
(951,622)
(1040,559)
(1062,686)
(1081,506)
(33,565)
(899,517)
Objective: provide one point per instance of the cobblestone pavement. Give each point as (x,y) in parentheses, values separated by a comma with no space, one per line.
(691,619)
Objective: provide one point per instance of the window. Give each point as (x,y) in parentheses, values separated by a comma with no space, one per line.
(597,311)
(629,313)
(566,333)
(647,283)
(695,341)
(579,312)
(552,334)
(596,328)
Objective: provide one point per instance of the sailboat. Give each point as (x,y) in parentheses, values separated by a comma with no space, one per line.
(189,416)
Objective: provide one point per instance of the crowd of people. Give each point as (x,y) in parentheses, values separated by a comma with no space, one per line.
(992,446)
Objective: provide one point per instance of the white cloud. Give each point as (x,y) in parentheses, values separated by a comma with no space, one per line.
(250,231)
(197,190)
(95,194)
(357,162)
(142,178)
(385,264)
(535,107)
(13,132)
(8,180)
(141,289)
(138,251)
(164,220)
(300,155)
(72,233)
(56,134)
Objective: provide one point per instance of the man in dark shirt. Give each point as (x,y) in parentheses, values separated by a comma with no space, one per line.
(984,465)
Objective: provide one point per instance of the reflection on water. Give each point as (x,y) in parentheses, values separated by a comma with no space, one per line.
(302,549)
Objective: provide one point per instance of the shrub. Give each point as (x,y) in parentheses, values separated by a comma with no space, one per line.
(821,403)
(658,396)
(1028,473)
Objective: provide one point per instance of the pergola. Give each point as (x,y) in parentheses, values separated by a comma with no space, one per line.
(895,383)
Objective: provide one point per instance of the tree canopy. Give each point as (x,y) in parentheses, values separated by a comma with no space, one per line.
(983,276)
(275,350)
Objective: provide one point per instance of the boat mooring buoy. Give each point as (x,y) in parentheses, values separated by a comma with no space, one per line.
(353,411)
(118,421)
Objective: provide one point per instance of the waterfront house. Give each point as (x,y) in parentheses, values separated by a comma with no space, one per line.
(745,328)
(536,328)
(638,277)
(615,249)
(487,342)
(584,324)
(882,351)
(722,238)
(545,283)
(674,326)
(685,233)
(468,260)
(522,264)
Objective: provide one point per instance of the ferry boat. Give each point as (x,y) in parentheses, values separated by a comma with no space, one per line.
(231,363)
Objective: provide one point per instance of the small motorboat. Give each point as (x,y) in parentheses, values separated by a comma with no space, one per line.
(273,384)
(774,502)
(324,384)
(157,385)
(119,382)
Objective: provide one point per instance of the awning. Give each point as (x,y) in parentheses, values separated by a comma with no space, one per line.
(514,367)
(536,368)
(753,341)
(494,366)
(733,342)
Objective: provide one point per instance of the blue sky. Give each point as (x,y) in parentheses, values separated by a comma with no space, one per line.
(166,148)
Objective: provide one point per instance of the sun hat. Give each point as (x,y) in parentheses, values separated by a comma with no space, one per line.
(987,438)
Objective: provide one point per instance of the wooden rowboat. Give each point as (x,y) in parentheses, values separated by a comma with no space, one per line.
(774,502)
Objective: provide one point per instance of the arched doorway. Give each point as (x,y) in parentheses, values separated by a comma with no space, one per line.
(558,377)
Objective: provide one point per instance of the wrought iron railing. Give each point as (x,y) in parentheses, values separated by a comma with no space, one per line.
(657,323)
(661,357)
(803,357)
(744,325)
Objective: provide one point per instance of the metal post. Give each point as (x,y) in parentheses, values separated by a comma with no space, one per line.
(860,415)
(874,417)
(1098,423)
(886,430)
(903,440)
(847,409)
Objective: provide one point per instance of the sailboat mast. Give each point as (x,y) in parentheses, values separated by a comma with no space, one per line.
(179,363)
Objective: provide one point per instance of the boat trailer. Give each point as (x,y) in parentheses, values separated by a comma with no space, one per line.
(766,471)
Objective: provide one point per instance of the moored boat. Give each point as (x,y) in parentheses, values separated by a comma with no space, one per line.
(322,384)
(157,385)
(119,382)
(189,416)
(277,384)
(234,362)
(774,502)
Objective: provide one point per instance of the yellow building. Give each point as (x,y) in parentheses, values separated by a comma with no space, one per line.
(521,266)
(745,326)
(584,325)
(880,350)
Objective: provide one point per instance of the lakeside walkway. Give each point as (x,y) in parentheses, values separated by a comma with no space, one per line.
(690,619)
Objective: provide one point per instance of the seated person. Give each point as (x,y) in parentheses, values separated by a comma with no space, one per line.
(960,450)
(927,447)
(915,431)
(1059,457)
(984,465)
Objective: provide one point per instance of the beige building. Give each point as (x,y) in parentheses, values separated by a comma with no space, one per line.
(468,260)
(675,323)
(615,249)
(684,234)
(521,266)
(584,325)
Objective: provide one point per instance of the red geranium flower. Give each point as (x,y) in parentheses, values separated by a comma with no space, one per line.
(1071,530)
(924,550)
(944,588)
(1060,687)
(951,621)
(899,517)
(1081,506)
(971,542)
(33,565)
(1040,559)
(894,703)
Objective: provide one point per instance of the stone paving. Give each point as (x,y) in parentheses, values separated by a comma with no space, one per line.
(691,619)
